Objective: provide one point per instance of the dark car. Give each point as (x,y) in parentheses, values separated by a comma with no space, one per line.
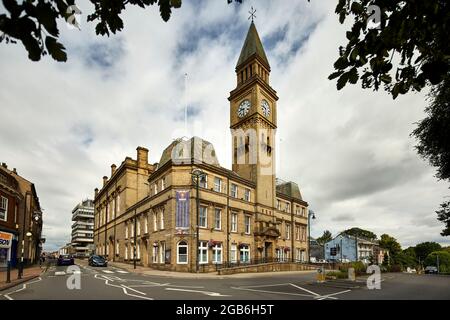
(98,261)
(431,269)
(65,260)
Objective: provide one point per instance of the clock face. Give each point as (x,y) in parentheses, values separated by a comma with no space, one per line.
(243,108)
(265,108)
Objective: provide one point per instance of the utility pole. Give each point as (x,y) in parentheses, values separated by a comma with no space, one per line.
(313,216)
(134,250)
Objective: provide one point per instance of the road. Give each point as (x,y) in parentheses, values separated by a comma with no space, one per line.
(113,283)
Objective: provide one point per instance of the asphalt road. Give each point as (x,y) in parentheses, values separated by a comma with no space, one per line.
(113,283)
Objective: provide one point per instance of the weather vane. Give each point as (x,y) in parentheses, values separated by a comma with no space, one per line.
(252,14)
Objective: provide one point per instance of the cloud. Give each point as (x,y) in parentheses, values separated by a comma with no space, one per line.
(64,124)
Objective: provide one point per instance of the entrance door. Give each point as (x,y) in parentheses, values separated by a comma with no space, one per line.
(267,251)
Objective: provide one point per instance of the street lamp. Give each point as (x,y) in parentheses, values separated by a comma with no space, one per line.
(313,216)
(197,174)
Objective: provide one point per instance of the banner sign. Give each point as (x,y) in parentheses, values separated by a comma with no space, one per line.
(5,239)
(182,209)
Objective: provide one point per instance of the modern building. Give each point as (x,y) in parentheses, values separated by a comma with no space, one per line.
(83,228)
(20,219)
(187,212)
(346,247)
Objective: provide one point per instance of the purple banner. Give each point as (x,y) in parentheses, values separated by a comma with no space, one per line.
(182,209)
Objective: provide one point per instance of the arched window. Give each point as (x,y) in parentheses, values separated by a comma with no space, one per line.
(182,252)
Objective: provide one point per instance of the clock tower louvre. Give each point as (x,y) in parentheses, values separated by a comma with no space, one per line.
(253,119)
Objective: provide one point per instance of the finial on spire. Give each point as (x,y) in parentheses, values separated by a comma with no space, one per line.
(252,14)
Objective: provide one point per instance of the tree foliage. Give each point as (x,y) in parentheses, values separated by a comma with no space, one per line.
(390,243)
(326,236)
(34,23)
(414,32)
(361,233)
(444,216)
(425,248)
(444,260)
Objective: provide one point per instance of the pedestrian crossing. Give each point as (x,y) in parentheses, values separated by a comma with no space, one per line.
(54,272)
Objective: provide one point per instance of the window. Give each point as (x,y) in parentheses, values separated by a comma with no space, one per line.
(138,251)
(217,219)
(162,251)
(288,231)
(132,229)
(155,188)
(304,212)
(117,248)
(247,224)
(118,204)
(297,232)
(203,183)
(126,252)
(126,231)
(182,252)
(155,221)
(203,252)
(234,190)
(162,219)
(247,195)
(203,216)
(217,253)
(155,253)
(163,183)
(234,218)
(288,207)
(278,204)
(146,225)
(3,208)
(217,184)
(233,253)
(113,208)
(138,227)
(245,254)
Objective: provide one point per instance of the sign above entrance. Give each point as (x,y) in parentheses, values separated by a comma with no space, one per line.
(5,239)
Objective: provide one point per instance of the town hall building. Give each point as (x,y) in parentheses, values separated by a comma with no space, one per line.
(188,213)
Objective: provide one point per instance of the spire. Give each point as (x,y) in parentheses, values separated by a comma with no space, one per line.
(252,46)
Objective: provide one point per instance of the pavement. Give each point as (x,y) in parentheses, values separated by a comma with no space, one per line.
(29,273)
(83,282)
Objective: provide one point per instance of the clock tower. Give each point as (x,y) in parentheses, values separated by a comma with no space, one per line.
(253,120)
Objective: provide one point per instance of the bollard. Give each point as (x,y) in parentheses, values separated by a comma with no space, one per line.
(351,274)
(8,272)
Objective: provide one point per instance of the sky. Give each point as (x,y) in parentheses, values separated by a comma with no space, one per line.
(350,151)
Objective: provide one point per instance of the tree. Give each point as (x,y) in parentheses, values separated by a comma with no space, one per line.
(34,23)
(414,32)
(326,236)
(425,248)
(361,233)
(444,216)
(391,244)
(444,260)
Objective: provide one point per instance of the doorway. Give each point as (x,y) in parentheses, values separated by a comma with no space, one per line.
(267,251)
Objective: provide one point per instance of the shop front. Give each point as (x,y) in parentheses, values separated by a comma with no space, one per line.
(6,240)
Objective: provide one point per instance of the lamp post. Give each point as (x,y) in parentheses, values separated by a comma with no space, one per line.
(197,174)
(313,216)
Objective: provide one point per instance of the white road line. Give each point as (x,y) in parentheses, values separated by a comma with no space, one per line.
(332,294)
(208,293)
(124,288)
(140,292)
(6,295)
(60,273)
(275,292)
(122,271)
(108,271)
(309,291)
(267,285)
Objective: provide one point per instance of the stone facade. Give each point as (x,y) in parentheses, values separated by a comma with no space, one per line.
(148,213)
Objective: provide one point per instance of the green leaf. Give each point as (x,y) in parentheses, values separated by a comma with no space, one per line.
(341,63)
(353,76)
(342,17)
(357,8)
(164,9)
(55,49)
(342,81)
(386,78)
(334,75)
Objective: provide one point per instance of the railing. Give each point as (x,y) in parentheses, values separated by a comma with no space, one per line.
(251,262)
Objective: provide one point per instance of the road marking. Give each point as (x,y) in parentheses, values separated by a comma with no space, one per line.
(309,291)
(23,288)
(108,271)
(124,288)
(332,294)
(208,293)
(122,271)
(275,292)
(268,285)
(60,273)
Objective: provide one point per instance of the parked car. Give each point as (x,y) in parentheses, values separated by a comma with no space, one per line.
(97,261)
(431,269)
(65,260)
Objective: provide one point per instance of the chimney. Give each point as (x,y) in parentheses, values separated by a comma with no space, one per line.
(15,171)
(113,169)
(96,192)
(4,165)
(105,179)
(142,157)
